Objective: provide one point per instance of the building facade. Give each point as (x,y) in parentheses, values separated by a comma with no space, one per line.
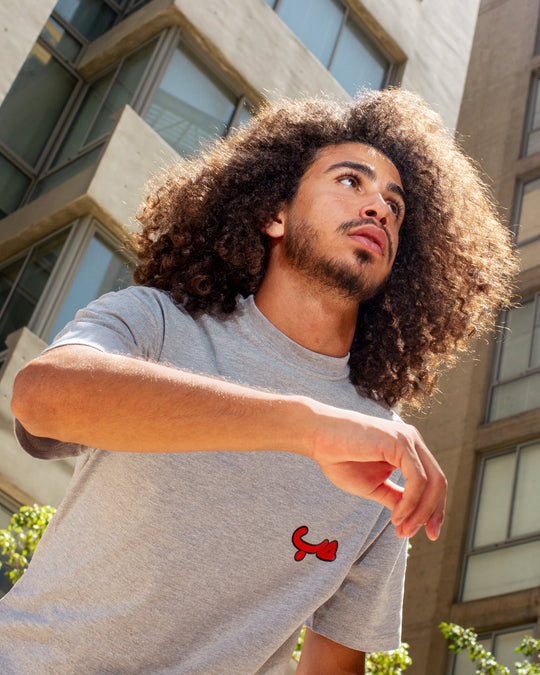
(485,570)
(99,95)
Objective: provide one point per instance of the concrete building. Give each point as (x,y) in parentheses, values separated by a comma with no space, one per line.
(99,95)
(485,569)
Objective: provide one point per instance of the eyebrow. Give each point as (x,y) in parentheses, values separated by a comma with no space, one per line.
(369,173)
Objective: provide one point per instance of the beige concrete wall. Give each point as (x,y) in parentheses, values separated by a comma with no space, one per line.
(44,481)
(246,39)
(20,24)
(262,56)
(251,37)
(135,153)
(491,123)
(436,36)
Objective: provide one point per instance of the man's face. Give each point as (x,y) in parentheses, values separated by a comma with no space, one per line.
(341,229)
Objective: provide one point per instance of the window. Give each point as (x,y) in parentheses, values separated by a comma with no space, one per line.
(22,282)
(330,31)
(44,287)
(527,211)
(516,376)
(92,18)
(95,119)
(25,127)
(33,112)
(53,125)
(503,549)
(190,106)
(501,644)
(532,135)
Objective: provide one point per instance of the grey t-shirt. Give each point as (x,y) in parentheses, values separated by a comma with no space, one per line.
(202,563)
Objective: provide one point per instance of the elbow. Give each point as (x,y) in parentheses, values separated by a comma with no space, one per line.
(33,402)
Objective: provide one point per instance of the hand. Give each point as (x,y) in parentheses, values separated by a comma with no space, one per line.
(358,453)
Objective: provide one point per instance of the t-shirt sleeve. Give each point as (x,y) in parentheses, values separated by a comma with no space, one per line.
(365,612)
(130,322)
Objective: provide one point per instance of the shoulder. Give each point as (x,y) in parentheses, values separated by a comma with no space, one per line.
(130,321)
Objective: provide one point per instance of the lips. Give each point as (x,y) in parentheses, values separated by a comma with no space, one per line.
(371,237)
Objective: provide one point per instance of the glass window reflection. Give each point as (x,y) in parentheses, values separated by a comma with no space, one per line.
(357,63)
(191,105)
(101,270)
(315,22)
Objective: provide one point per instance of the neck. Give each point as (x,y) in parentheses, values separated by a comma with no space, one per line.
(316,318)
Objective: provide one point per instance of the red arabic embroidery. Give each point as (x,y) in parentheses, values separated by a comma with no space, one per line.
(326,550)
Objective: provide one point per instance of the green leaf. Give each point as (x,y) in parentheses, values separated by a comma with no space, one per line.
(18,542)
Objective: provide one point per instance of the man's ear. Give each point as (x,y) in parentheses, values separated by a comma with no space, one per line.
(275,228)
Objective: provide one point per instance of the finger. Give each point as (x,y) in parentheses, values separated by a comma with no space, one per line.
(433,525)
(425,487)
(430,507)
(416,480)
(388,494)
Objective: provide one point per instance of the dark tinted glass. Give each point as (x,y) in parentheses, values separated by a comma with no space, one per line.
(13,184)
(91,18)
(18,311)
(191,105)
(33,104)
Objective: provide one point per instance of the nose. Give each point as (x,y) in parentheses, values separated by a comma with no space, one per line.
(375,207)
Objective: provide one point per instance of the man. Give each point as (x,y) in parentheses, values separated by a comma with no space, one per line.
(232,415)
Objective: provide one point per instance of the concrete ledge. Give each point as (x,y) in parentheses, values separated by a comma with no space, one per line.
(509,431)
(521,607)
(134,154)
(111,191)
(246,38)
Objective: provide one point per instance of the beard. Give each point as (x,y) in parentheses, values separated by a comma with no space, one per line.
(349,281)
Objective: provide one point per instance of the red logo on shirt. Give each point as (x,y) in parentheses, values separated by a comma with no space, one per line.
(326,550)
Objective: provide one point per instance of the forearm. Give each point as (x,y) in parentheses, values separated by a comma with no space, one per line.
(78,394)
(81,395)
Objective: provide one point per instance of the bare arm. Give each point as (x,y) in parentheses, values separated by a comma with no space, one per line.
(321,656)
(81,395)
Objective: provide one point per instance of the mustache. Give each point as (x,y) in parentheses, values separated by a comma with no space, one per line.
(352,224)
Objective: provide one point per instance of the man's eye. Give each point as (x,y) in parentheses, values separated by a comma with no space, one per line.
(395,208)
(350,181)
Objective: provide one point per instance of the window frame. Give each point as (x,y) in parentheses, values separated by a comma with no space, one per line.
(175,37)
(43,165)
(529,117)
(518,203)
(66,267)
(499,346)
(49,168)
(33,172)
(349,13)
(166,42)
(492,636)
(509,541)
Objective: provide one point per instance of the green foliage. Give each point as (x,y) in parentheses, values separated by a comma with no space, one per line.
(377,663)
(19,541)
(299,645)
(389,663)
(465,638)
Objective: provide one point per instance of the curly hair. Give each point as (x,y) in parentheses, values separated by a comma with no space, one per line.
(201,238)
